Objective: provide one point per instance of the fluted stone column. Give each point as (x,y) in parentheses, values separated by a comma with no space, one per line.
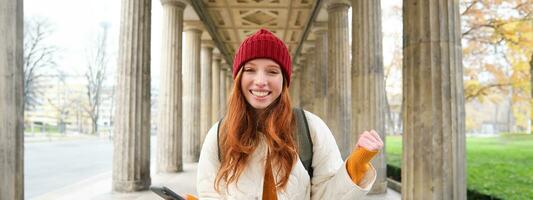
(215,92)
(368,105)
(11,101)
(291,89)
(321,72)
(434,157)
(131,157)
(295,87)
(308,81)
(191,92)
(169,136)
(300,63)
(205,89)
(223,94)
(339,76)
(229,83)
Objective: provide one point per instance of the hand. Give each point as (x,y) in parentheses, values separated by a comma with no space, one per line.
(370,140)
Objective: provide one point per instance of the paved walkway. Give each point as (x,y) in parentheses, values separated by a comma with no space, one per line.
(99,188)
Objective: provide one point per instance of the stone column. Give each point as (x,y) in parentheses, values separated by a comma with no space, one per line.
(291,89)
(321,72)
(131,157)
(205,89)
(434,156)
(215,92)
(339,76)
(368,105)
(11,101)
(169,137)
(191,91)
(295,88)
(223,96)
(308,81)
(301,64)
(229,83)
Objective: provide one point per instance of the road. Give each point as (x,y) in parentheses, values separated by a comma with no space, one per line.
(51,165)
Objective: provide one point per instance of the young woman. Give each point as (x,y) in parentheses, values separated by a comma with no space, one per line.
(253,154)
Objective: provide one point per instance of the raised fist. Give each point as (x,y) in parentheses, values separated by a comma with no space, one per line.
(370,140)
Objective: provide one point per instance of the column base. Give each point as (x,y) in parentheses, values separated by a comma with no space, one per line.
(191,159)
(174,169)
(379,188)
(131,186)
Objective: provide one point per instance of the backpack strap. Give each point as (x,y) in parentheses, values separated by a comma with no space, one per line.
(218,138)
(303,138)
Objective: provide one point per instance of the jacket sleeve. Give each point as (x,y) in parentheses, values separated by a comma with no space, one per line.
(208,166)
(330,177)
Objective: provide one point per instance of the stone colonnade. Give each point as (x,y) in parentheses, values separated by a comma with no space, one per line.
(184,74)
(432,47)
(351,92)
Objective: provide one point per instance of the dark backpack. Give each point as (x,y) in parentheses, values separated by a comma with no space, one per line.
(303,137)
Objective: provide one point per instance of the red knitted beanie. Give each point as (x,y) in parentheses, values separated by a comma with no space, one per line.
(263,44)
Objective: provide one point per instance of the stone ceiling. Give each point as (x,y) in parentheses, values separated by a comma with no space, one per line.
(233,20)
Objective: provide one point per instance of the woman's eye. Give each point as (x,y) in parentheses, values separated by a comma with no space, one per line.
(274,72)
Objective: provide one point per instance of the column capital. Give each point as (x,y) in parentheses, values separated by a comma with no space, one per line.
(208,44)
(177,3)
(334,4)
(193,25)
(224,66)
(217,56)
(320,27)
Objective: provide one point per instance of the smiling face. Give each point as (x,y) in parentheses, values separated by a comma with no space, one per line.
(261,82)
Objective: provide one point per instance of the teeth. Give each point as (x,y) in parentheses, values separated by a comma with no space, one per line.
(259,93)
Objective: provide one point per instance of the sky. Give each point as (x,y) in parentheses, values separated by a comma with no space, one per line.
(76,23)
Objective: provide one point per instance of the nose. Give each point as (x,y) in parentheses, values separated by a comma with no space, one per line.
(260,79)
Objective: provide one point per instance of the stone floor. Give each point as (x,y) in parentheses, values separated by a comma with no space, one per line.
(99,188)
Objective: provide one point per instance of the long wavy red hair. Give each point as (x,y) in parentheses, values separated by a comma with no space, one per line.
(239,136)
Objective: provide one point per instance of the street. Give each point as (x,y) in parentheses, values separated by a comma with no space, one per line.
(51,165)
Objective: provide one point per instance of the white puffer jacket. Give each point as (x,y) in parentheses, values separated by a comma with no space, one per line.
(330,178)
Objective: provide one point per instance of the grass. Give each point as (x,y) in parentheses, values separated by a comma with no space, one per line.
(498,166)
(43,130)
